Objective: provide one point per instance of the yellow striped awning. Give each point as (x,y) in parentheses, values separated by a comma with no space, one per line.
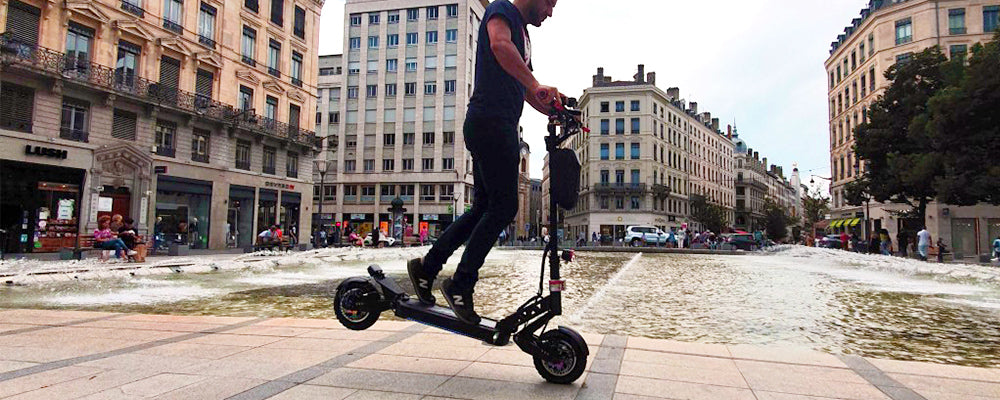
(854,222)
(836,223)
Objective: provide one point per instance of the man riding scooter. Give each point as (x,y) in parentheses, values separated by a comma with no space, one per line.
(504,81)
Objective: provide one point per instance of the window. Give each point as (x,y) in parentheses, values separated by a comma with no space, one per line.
(411,39)
(635,105)
(277,11)
(271,109)
(200,145)
(296,69)
(428,138)
(619,203)
(871,79)
(604,176)
(292,165)
(411,64)
(373,42)
(412,14)
(619,106)
(388,165)
(373,19)
(390,91)
(389,139)
(429,113)
(371,116)
(123,125)
(452,10)
(173,15)
(127,63)
(299,24)
(432,37)
(604,151)
(166,132)
(427,164)
(958,51)
(273,57)
(354,43)
(604,107)
(861,50)
(243,154)
(905,57)
(838,74)
(991,18)
(635,202)
(635,125)
(392,40)
(430,62)
(427,192)
(393,17)
(449,113)
(449,137)
(956,21)
(350,166)
(448,164)
(451,35)
(335,94)
(206,25)
(369,166)
(635,151)
(432,12)
(904,31)
(620,126)
(430,88)
(604,202)
(352,92)
(356,20)
(74,120)
(410,88)
(871,44)
(449,87)
(605,126)
(407,164)
(251,4)
(408,138)
(619,151)
(78,41)
(334,117)
(854,61)
(249,45)
(450,61)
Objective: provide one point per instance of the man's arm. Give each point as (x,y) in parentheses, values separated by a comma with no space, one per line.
(509,58)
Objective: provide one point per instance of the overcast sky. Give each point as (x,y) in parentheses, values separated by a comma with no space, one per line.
(758,63)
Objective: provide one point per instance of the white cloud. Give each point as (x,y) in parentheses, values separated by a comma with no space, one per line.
(759,63)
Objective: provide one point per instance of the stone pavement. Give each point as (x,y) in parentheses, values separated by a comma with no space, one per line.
(74,354)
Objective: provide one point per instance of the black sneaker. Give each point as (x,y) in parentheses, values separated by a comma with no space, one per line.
(422,283)
(461,303)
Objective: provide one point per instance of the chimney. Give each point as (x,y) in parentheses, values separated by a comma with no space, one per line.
(651,78)
(757,156)
(642,74)
(715,125)
(729,129)
(706,117)
(674,93)
(599,78)
(765,163)
(693,107)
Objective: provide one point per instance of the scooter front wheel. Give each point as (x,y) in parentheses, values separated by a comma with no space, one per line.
(569,361)
(349,305)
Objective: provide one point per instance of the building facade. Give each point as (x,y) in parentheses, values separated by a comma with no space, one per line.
(158,111)
(888,32)
(393,116)
(648,153)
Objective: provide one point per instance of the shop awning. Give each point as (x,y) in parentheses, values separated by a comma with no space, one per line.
(854,222)
(836,223)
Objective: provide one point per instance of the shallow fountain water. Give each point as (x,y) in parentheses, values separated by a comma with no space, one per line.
(824,299)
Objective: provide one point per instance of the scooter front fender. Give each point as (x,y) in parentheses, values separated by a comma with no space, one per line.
(576,336)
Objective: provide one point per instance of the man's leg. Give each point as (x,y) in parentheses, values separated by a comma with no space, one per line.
(458,232)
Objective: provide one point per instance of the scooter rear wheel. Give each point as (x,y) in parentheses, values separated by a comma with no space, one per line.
(347,305)
(570,360)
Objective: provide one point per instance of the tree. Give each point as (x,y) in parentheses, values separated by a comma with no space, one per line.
(711,216)
(775,220)
(966,124)
(900,153)
(814,208)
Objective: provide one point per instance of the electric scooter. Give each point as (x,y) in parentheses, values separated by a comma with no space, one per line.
(560,355)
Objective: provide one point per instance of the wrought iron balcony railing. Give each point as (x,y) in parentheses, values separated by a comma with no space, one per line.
(173,26)
(244,165)
(206,41)
(297,82)
(124,82)
(133,8)
(249,61)
(202,158)
(74,134)
(274,72)
(620,187)
(166,151)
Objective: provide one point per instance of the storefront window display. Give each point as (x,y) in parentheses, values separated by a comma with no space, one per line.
(40,207)
(267,209)
(183,207)
(239,219)
(289,220)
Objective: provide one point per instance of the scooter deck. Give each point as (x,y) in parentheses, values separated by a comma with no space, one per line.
(444,318)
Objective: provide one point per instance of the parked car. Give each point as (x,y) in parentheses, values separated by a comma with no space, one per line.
(642,235)
(383,241)
(831,242)
(742,241)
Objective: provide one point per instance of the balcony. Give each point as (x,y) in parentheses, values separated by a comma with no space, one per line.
(206,41)
(297,82)
(55,64)
(203,158)
(274,72)
(268,169)
(74,134)
(165,151)
(133,8)
(173,26)
(620,187)
(244,165)
(249,61)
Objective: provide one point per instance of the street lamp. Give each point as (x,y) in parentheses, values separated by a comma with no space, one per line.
(857,174)
(321,166)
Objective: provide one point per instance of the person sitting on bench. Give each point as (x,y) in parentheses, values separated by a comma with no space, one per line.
(104,239)
(269,238)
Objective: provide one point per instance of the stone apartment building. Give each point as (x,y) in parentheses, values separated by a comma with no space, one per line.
(172,113)
(648,154)
(885,33)
(391,109)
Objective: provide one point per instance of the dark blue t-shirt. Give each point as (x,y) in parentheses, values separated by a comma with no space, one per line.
(498,95)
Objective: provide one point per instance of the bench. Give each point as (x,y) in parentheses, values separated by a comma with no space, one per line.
(283,245)
(85,243)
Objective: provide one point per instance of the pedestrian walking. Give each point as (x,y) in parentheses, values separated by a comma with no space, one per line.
(996,249)
(923,243)
(903,242)
(886,242)
(941,249)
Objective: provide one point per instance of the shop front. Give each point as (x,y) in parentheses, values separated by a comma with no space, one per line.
(183,207)
(361,224)
(291,203)
(267,209)
(239,217)
(40,207)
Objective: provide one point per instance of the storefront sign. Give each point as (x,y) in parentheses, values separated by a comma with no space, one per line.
(160,169)
(105,204)
(65,210)
(45,152)
(143,210)
(279,185)
(94,201)
(357,216)
(430,217)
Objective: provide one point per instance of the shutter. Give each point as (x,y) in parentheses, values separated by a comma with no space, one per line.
(22,22)
(277,11)
(124,125)
(17,107)
(170,72)
(293,116)
(203,86)
(300,23)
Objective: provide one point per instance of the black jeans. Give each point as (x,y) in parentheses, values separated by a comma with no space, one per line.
(495,157)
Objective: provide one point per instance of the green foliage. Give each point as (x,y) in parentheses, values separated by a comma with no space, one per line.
(711,216)
(814,208)
(775,221)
